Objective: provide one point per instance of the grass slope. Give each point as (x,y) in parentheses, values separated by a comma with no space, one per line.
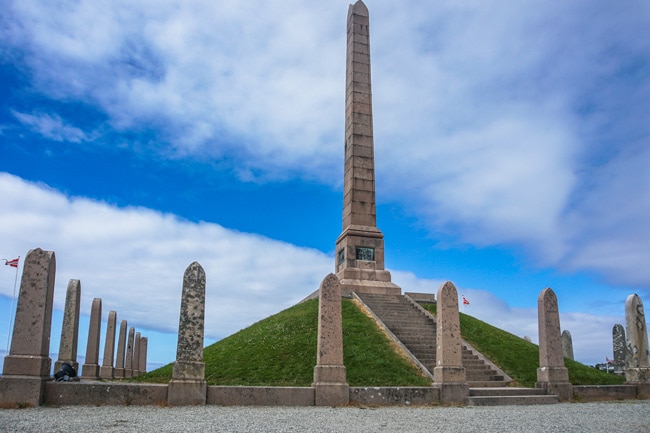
(281,351)
(519,358)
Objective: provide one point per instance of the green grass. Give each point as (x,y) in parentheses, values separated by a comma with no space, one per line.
(519,358)
(281,351)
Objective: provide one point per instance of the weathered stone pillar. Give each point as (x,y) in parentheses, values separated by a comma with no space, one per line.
(567,345)
(90,369)
(70,328)
(330,385)
(449,374)
(27,367)
(106,371)
(121,348)
(142,359)
(188,386)
(638,359)
(552,375)
(619,347)
(136,355)
(128,361)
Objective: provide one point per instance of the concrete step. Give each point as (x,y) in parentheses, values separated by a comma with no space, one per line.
(512,400)
(504,391)
(487,384)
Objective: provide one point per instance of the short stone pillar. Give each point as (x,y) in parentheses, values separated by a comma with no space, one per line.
(188,386)
(567,345)
(142,359)
(136,355)
(90,369)
(121,349)
(619,347)
(27,367)
(330,382)
(637,367)
(107,371)
(552,375)
(128,359)
(449,374)
(70,328)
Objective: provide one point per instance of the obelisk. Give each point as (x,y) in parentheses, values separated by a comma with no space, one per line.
(360,247)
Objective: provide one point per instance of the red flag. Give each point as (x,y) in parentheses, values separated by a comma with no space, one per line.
(13,263)
(465,301)
(609,361)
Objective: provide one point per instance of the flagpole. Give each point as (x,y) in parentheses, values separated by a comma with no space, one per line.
(11,312)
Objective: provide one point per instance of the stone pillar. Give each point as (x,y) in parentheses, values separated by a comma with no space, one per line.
(638,359)
(70,328)
(27,367)
(619,346)
(106,371)
(128,361)
(136,355)
(567,345)
(90,369)
(552,375)
(330,386)
(449,374)
(142,359)
(188,386)
(121,348)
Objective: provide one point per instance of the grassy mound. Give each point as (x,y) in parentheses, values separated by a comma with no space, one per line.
(281,351)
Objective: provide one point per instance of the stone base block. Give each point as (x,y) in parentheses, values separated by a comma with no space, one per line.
(453,393)
(90,371)
(118,373)
(369,286)
(449,375)
(637,374)
(27,365)
(331,394)
(187,393)
(552,375)
(564,390)
(106,372)
(330,374)
(20,391)
(186,370)
(642,390)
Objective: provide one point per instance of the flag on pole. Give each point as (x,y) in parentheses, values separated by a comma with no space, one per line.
(13,263)
(608,361)
(465,301)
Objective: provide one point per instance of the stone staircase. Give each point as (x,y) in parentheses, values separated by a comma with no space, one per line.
(415,331)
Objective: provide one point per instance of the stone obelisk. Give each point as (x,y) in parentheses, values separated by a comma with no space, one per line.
(360,247)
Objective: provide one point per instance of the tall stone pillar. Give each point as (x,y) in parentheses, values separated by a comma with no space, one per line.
(552,375)
(567,345)
(121,349)
(128,360)
(142,359)
(449,374)
(188,386)
(90,369)
(360,247)
(106,371)
(638,358)
(136,355)
(330,386)
(27,367)
(619,347)
(70,328)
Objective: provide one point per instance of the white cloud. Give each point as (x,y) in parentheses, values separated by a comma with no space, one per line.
(52,127)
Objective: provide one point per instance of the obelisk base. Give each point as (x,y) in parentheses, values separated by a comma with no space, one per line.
(330,387)
(22,391)
(637,374)
(187,393)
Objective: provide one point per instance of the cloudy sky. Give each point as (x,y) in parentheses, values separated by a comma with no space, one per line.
(512,146)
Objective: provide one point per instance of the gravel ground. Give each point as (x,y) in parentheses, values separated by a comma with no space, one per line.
(626,416)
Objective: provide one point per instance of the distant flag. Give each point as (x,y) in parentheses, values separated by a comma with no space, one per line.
(609,361)
(465,301)
(13,263)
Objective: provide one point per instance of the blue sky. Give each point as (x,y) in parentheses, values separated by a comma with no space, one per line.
(511,145)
